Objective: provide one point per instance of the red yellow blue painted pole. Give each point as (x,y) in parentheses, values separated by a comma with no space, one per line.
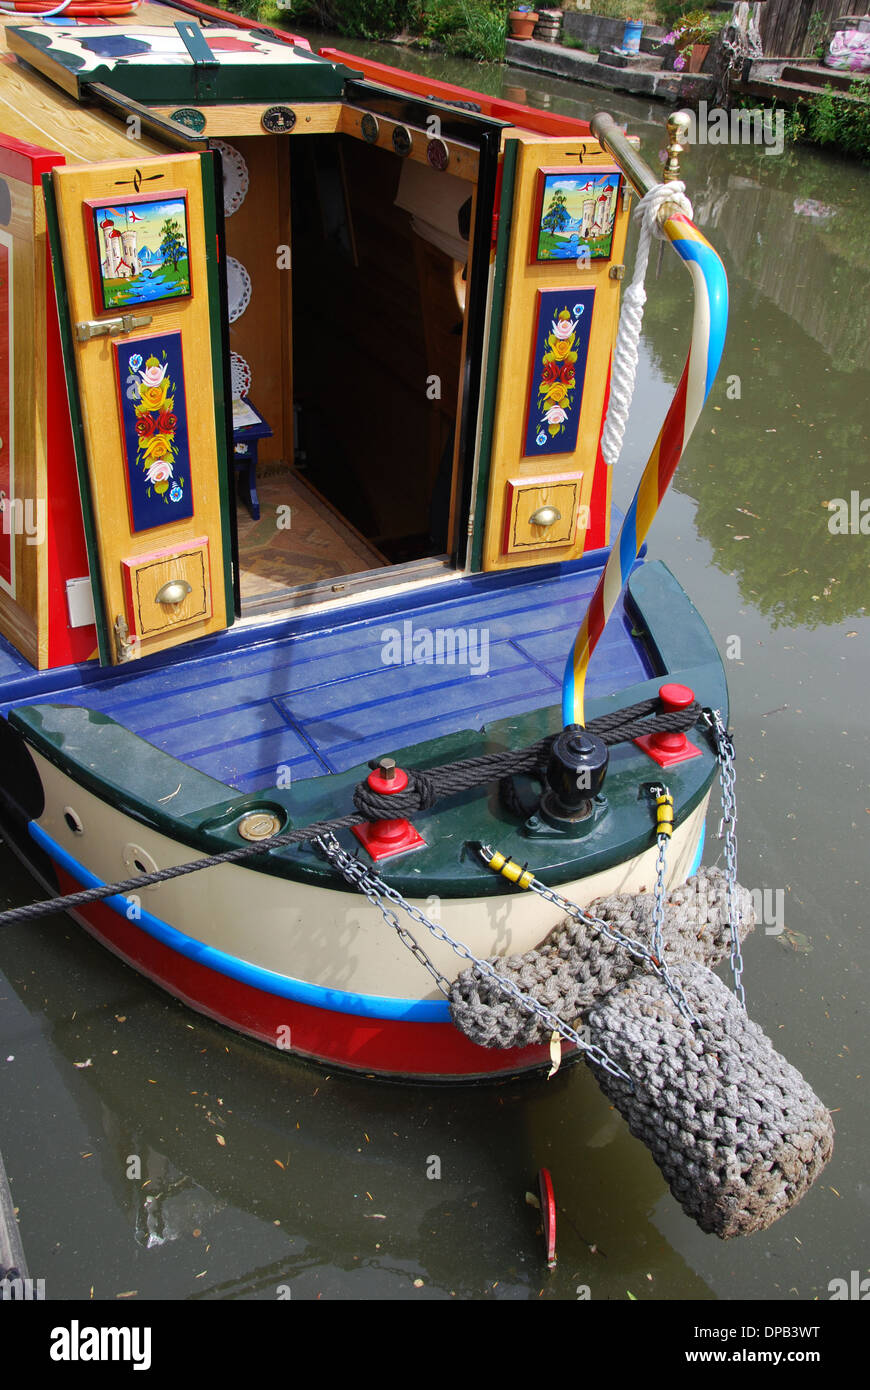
(705,354)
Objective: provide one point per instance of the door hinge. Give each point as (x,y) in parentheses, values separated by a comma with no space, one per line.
(127,648)
(98,328)
(617,272)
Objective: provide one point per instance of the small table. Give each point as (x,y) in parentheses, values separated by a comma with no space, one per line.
(247,433)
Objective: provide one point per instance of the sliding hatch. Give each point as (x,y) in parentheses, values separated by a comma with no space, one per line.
(135,253)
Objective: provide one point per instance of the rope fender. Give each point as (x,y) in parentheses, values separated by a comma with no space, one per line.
(738,1133)
(576,965)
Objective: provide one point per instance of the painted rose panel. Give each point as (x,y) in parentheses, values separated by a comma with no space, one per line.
(154,415)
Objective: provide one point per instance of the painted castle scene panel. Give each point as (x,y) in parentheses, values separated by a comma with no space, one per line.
(142,251)
(576,212)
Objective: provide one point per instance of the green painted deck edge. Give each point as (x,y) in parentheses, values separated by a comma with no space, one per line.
(202,812)
(78,433)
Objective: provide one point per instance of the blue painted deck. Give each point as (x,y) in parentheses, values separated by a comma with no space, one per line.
(319,698)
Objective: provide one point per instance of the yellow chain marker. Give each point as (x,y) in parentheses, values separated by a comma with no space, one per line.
(664,814)
(508,868)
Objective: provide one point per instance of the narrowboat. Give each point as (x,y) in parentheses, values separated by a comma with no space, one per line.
(306,501)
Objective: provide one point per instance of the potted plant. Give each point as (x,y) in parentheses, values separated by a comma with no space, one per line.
(631,35)
(522,21)
(692,39)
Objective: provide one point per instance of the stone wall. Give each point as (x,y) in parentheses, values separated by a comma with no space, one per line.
(598,32)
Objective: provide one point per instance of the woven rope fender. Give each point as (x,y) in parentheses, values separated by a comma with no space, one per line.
(736,1130)
(576,965)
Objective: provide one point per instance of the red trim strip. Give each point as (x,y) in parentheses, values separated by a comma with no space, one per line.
(388,1047)
(544,122)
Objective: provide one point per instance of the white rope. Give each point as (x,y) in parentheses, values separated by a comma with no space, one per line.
(625,353)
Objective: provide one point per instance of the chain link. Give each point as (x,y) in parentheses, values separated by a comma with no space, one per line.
(658,944)
(728,827)
(376,890)
(634,948)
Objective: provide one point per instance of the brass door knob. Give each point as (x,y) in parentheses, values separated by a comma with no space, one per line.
(545,516)
(173,591)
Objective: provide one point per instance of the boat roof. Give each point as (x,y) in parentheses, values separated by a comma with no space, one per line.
(179,60)
(200,55)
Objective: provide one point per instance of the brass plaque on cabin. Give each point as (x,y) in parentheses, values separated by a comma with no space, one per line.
(278,120)
(369,127)
(438,155)
(189,116)
(402,140)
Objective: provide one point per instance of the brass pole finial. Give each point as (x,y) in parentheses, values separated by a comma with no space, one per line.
(678,136)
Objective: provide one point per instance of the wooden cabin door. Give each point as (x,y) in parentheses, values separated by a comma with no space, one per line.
(136,254)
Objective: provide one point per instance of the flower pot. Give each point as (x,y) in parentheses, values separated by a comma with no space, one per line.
(631,36)
(522,22)
(696,55)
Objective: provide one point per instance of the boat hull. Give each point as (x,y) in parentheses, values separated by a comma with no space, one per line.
(302,968)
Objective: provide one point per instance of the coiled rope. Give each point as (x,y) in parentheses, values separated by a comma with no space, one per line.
(424,790)
(625,353)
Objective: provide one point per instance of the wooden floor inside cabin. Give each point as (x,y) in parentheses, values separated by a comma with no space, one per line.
(299,539)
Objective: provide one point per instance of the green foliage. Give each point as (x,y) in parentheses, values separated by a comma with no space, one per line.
(364,19)
(817,34)
(673,12)
(832,119)
(467,28)
(569,42)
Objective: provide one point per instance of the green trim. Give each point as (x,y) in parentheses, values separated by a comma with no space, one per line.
(220,366)
(78,433)
(303,77)
(201,813)
(496,324)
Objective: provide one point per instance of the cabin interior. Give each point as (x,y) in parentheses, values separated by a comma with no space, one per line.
(354,358)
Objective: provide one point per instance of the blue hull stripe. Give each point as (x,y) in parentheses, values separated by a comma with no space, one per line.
(318,996)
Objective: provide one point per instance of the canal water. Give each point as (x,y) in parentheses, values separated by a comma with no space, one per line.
(153,1155)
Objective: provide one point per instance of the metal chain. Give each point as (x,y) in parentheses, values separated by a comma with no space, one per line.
(375,889)
(728,826)
(658,945)
(634,948)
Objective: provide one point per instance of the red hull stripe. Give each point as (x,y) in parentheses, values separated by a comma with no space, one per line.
(385,1046)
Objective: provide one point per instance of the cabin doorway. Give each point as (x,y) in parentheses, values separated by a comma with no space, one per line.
(351,332)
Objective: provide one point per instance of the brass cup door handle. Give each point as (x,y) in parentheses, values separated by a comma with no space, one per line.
(545,516)
(173,591)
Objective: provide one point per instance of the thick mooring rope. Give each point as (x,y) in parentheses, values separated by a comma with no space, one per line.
(424,790)
(625,353)
(577,965)
(737,1132)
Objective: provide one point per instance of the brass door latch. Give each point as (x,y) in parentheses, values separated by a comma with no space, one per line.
(98,328)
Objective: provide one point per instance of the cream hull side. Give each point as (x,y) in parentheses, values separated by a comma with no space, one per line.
(326,937)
